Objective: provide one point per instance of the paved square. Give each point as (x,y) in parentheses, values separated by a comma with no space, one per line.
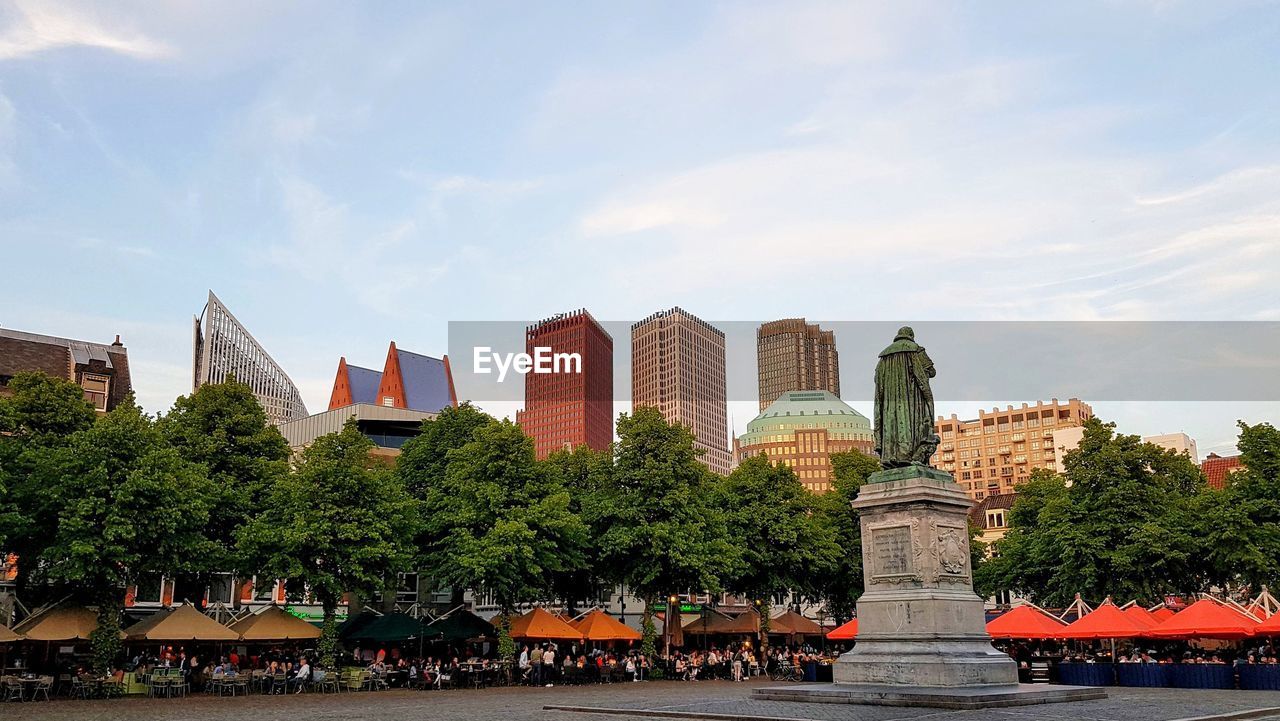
(706,699)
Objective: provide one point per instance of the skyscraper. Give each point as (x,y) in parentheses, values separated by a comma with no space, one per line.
(678,367)
(792,355)
(566,409)
(221,347)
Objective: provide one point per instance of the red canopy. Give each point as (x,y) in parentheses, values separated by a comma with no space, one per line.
(1143,616)
(1105,621)
(1163,613)
(849,631)
(1025,622)
(1269,627)
(1207,619)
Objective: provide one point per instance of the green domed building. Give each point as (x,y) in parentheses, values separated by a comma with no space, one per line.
(801,430)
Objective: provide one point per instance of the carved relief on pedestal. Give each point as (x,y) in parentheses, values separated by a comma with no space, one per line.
(951,552)
(894,552)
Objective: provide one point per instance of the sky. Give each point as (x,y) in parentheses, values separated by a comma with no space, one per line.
(345,174)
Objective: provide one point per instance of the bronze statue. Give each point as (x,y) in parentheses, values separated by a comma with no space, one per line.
(904,403)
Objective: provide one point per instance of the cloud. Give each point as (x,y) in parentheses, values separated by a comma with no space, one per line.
(34,27)
(326,244)
(8,143)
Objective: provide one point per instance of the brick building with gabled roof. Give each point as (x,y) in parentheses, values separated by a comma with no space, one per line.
(102,370)
(408,380)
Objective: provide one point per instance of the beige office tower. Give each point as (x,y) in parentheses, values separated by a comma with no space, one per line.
(995,452)
(792,355)
(678,367)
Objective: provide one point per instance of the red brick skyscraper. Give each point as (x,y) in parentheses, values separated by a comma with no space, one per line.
(566,410)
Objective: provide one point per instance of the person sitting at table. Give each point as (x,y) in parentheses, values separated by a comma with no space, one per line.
(303,675)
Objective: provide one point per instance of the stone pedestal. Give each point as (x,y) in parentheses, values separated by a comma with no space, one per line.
(922,634)
(919,622)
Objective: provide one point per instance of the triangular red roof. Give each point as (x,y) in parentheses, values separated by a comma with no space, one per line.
(1025,622)
(1142,616)
(539,624)
(1269,627)
(1207,618)
(600,626)
(1163,613)
(847,632)
(1105,621)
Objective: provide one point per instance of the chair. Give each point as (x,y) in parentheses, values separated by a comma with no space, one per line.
(179,685)
(78,688)
(12,689)
(280,683)
(43,686)
(352,681)
(325,681)
(215,684)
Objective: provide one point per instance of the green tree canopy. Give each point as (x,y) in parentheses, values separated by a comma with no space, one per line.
(499,522)
(586,474)
(224,428)
(841,584)
(423,460)
(41,415)
(1241,523)
(660,530)
(340,522)
(128,507)
(1119,523)
(783,546)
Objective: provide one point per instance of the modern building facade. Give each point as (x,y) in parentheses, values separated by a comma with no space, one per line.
(678,367)
(573,406)
(1068,439)
(408,380)
(387,427)
(222,347)
(792,355)
(996,451)
(801,429)
(101,369)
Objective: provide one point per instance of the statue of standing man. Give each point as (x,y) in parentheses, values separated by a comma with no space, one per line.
(904,403)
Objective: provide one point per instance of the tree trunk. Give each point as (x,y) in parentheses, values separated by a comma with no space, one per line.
(104,641)
(327,647)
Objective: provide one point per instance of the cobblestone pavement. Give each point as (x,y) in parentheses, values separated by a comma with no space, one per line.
(711,697)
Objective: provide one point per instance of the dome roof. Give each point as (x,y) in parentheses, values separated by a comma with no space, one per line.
(808,409)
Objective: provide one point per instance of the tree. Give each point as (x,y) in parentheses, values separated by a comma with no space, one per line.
(1123,526)
(224,428)
(783,547)
(1241,523)
(585,473)
(128,506)
(340,522)
(41,413)
(660,530)
(841,584)
(424,459)
(500,522)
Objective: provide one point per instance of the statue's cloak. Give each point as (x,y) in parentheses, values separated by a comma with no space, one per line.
(904,403)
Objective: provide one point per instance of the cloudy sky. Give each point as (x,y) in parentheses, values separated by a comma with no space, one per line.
(343,174)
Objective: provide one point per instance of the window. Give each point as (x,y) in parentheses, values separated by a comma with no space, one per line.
(995,519)
(388,401)
(95,390)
